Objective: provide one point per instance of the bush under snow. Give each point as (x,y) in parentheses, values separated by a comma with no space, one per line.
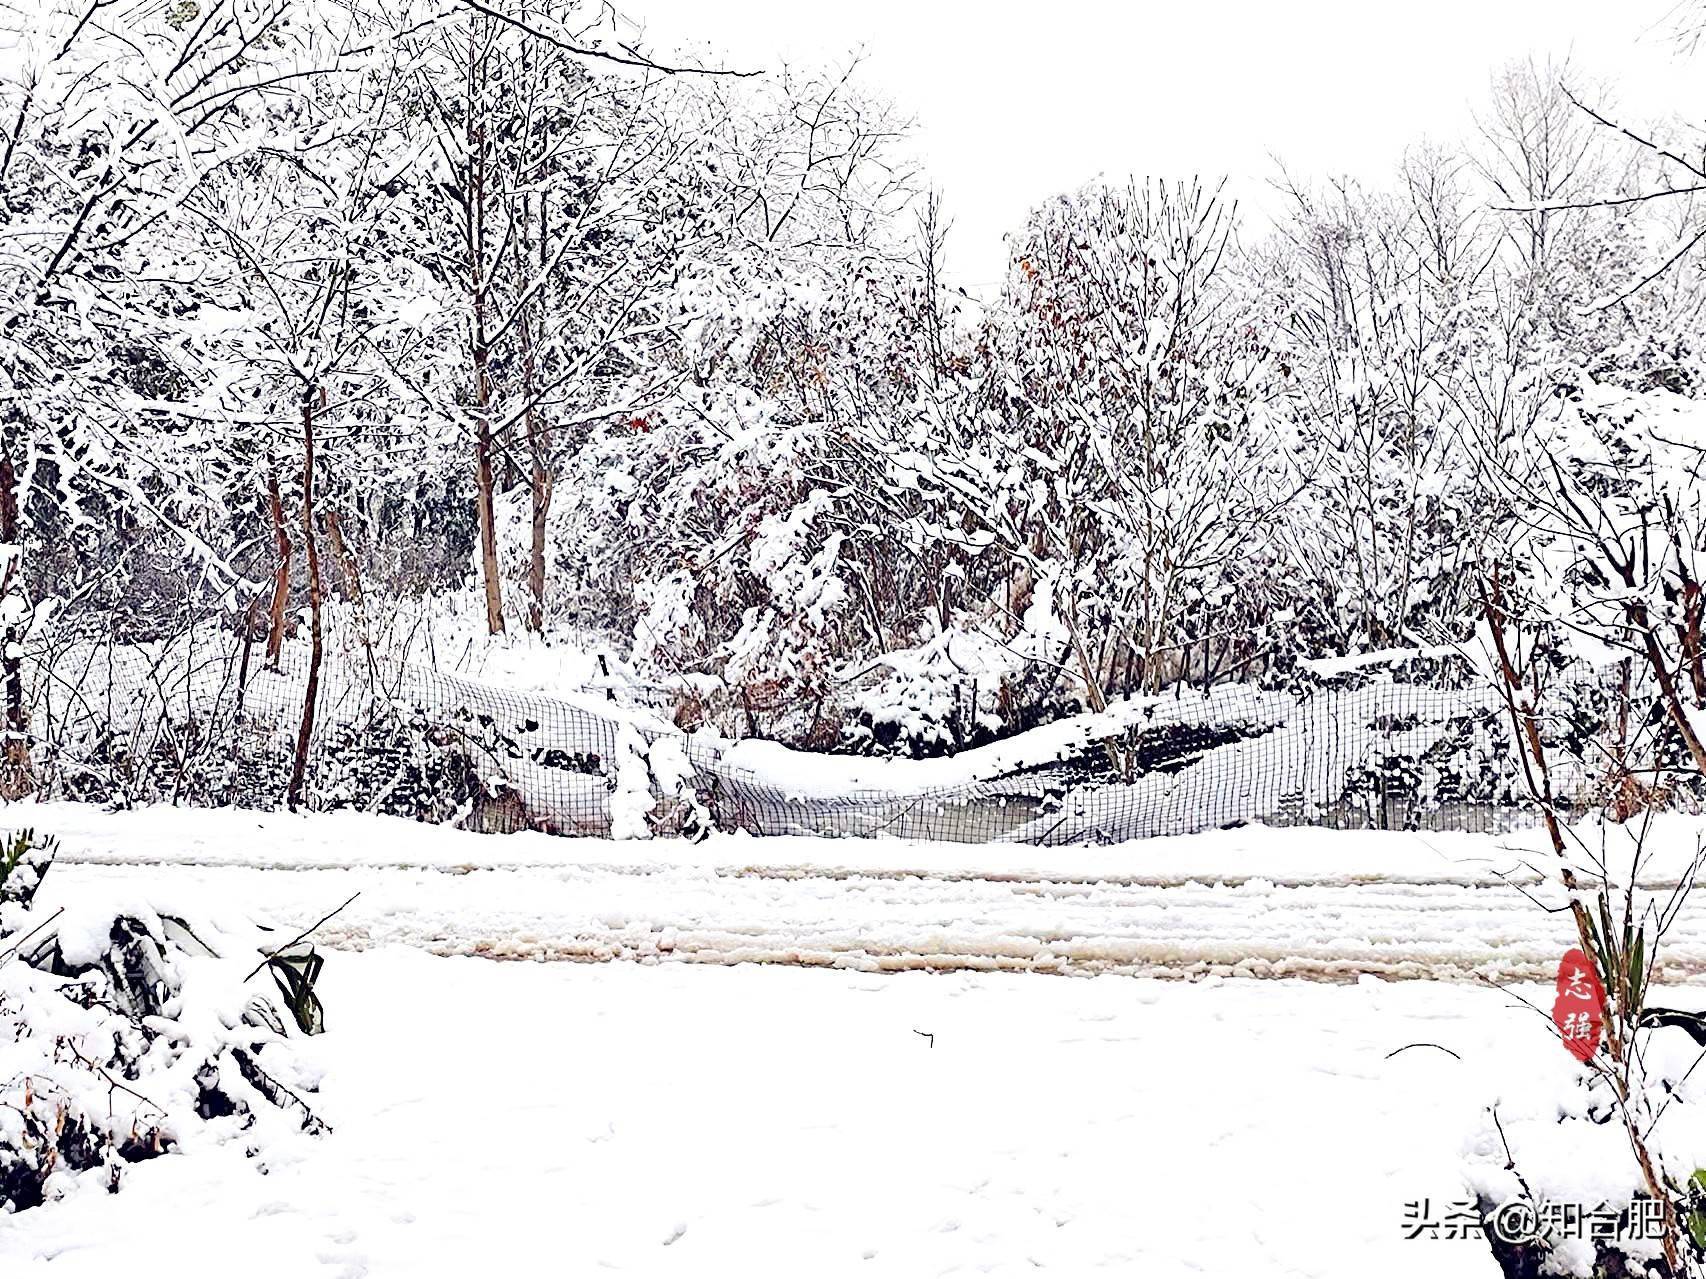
(127,1033)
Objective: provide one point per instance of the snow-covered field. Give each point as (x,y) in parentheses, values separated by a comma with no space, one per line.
(534,1120)
(819,1113)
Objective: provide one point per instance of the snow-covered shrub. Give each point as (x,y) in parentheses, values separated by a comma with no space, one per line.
(959,689)
(679,808)
(1635,1080)
(400,764)
(729,531)
(631,796)
(1135,446)
(24,860)
(1609,527)
(724,495)
(1386,332)
(1564,1157)
(129,1033)
(921,710)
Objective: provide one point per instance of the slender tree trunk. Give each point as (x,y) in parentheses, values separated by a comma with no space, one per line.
(541,482)
(542,487)
(311,695)
(281,574)
(477,283)
(251,621)
(348,574)
(17,776)
(488,524)
(1689,635)
(1658,663)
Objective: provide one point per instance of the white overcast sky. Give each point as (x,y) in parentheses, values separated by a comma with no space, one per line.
(1016,102)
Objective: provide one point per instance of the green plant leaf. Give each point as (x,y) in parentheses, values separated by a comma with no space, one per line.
(1696,1217)
(1637,973)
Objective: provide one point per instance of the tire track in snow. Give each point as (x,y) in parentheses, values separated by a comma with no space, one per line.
(892,921)
(1462,875)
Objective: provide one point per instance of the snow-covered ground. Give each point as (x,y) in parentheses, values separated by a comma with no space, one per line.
(820,1112)
(1252,901)
(533,1120)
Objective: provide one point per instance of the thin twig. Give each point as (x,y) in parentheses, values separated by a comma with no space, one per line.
(14,947)
(299,936)
(1422,1044)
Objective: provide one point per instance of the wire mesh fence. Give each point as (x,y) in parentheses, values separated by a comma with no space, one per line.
(217,723)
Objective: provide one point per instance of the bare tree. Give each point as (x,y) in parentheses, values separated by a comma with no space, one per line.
(1542,156)
(1139,384)
(307,243)
(113,118)
(544,168)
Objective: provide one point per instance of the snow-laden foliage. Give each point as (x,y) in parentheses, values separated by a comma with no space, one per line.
(1552,1153)
(1130,431)
(324,307)
(1379,322)
(132,1033)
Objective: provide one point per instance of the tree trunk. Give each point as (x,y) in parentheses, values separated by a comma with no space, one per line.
(251,620)
(281,574)
(539,488)
(1690,636)
(17,776)
(305,733)
(347,572)
(488,521)
(542,487)
(1668,691)
(477,282)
